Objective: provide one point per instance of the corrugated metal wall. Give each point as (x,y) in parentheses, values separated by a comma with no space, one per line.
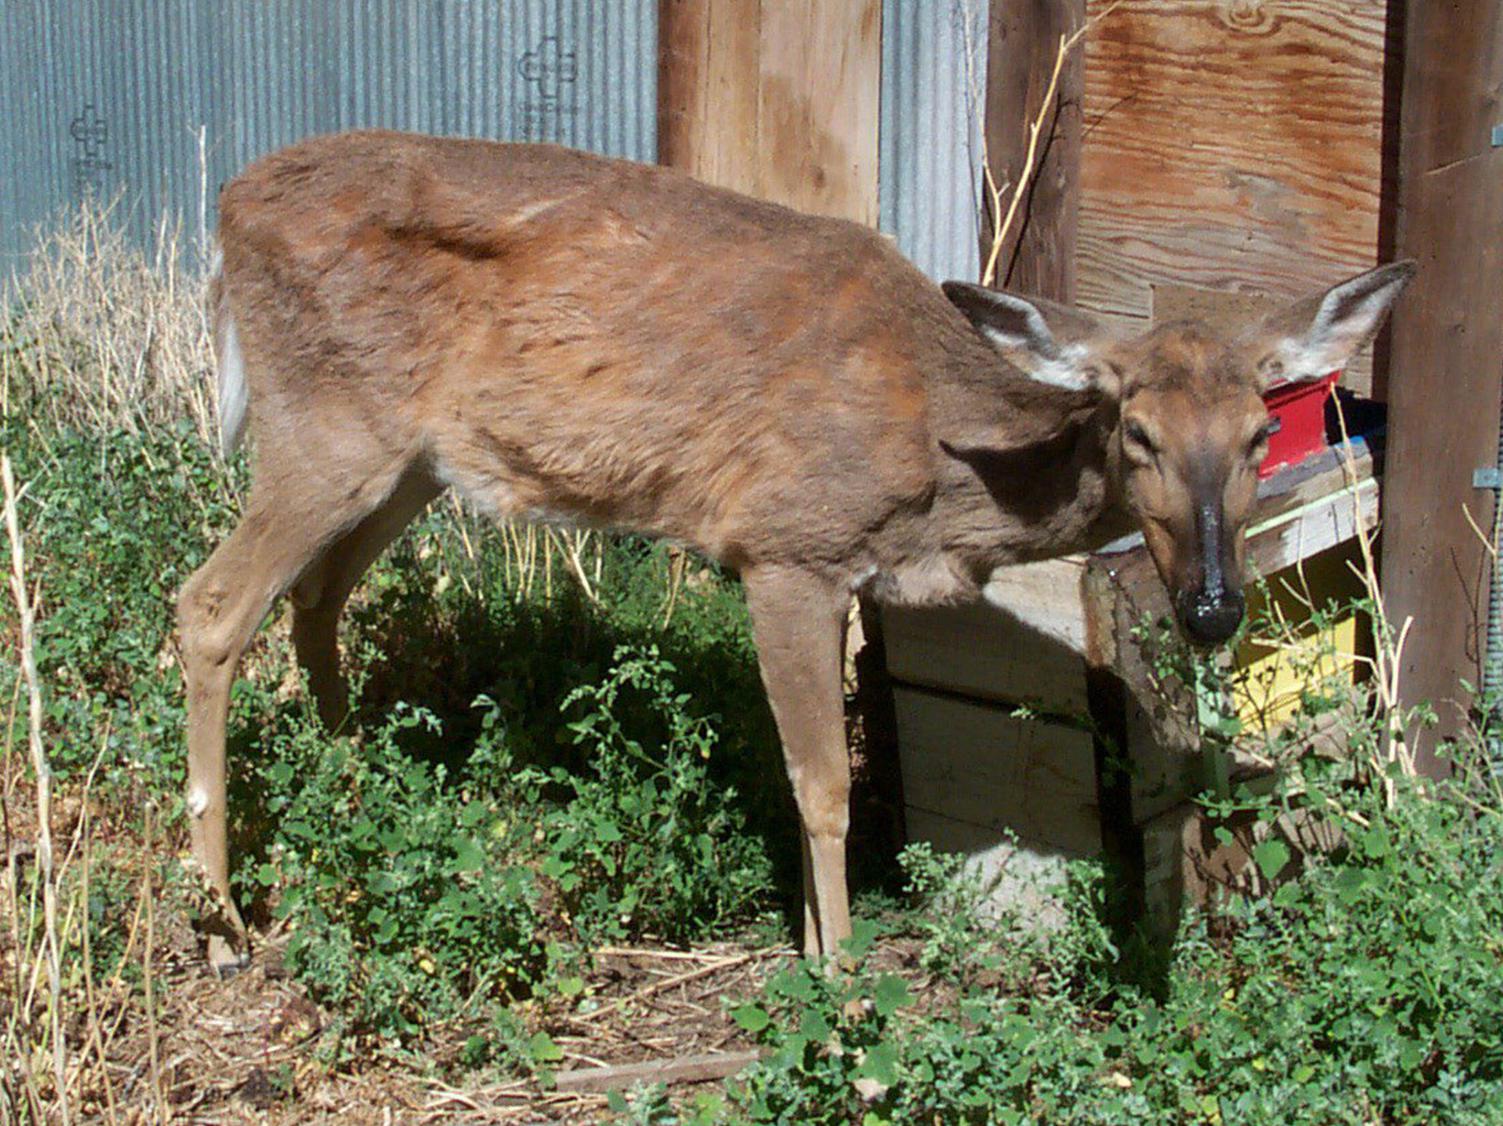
(930,138)
(107,96)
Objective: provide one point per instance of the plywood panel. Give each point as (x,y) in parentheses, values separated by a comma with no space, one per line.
(1230,145)
(981,765)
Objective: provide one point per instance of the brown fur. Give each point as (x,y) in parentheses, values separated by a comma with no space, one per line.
(567,337)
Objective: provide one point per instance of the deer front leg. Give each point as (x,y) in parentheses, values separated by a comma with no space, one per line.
(798,621)
(283,532)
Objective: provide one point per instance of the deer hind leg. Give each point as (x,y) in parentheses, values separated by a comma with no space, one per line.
(798,623)
(287,525)
(319,595)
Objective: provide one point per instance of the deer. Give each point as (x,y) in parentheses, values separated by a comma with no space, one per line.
(560,336)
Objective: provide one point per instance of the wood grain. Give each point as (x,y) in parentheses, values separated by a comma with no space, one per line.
(777,100)
(1453,82)
(1023,39)
(1230,144)
(709,57)
(683,51)
(729,126)
(1027,653)
(980,764)
(1446,374)
(818,102)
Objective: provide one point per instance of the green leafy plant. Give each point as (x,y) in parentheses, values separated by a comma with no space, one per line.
(404,899)
(644,841)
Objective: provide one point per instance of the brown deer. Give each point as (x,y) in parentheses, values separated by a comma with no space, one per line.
(560,336)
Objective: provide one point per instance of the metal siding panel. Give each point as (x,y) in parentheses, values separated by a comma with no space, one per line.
(256,74)
(929,140)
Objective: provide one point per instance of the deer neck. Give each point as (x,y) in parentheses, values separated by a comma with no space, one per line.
(1037,479)
(1047,484)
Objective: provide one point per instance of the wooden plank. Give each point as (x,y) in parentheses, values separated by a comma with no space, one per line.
(1022,878)
(1446,375)
(1230,146)
(730,139)
(1039,256)
(683,55)
(1022,645)
(1186,861)
(981,651)
(709,59)
(1045,596)
(1453,84)
(818,98)
(984,766)
(1444,394)
(1283,540)
(779,100)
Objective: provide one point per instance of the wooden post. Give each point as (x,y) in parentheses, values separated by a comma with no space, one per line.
(1023,39)
(776,100)
(1446,371)
(709,65)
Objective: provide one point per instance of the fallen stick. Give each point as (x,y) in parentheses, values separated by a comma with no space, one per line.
(679,1069)
(620,1003)
(647,952)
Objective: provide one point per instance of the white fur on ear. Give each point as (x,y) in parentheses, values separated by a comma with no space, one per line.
(1067,369)
(1345,319)
(1016,328)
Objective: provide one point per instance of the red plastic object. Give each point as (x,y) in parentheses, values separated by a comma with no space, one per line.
(1301,412)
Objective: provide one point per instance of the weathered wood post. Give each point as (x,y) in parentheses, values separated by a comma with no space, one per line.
(1447,359)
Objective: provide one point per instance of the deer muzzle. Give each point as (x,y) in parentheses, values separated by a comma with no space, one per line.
(1211,612)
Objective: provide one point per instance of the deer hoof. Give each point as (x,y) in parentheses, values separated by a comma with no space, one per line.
(225,961)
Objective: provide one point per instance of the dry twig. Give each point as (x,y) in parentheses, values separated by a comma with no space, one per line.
(43,771)
(1000,231)
(1388,645)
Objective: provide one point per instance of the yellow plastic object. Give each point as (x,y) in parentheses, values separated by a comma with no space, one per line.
(1290,651)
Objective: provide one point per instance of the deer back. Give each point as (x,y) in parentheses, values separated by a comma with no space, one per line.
(566,336)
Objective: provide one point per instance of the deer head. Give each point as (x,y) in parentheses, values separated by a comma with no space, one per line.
(1187,424)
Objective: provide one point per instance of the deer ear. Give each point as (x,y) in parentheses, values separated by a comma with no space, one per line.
(1047,342)
(1320,334)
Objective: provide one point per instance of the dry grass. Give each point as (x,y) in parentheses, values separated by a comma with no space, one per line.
(103,335)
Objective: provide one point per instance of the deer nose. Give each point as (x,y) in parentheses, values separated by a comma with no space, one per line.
(1209,619)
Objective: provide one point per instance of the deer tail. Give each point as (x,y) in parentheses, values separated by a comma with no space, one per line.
(234,396)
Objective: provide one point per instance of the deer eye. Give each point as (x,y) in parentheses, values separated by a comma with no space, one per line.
(1134,434)
(1260,438)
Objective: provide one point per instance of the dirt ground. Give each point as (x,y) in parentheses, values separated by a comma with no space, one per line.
(245,1050)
